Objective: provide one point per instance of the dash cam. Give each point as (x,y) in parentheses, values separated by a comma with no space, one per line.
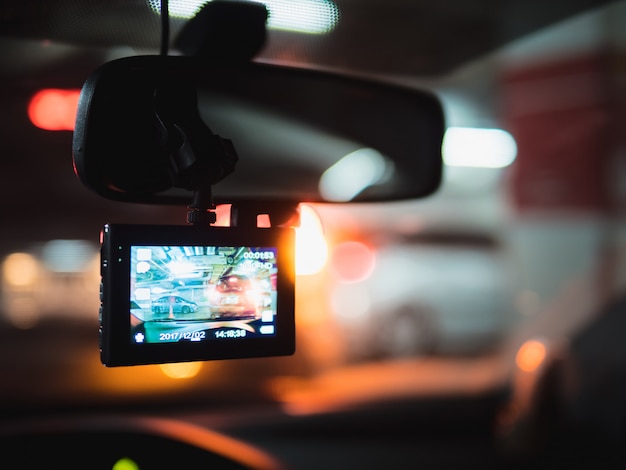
(184,293)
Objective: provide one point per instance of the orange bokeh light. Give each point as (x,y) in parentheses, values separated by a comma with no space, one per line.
(311,246)
(530,355)
(54,109)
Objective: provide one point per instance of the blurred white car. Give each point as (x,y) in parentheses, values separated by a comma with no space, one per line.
(442,293)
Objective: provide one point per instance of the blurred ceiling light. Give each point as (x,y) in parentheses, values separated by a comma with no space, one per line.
(54,109)
(311,246)
(302,16)
(352,174)
(68,256)
(482,148)
(20,270)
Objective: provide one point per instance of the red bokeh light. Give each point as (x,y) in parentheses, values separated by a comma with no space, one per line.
(54,109)
(353,261)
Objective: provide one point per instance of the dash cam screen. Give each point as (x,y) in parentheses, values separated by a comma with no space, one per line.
(201,293)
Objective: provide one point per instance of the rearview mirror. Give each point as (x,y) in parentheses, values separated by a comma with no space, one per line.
(299,135)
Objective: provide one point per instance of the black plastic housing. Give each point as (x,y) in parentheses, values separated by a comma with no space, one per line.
(271,250)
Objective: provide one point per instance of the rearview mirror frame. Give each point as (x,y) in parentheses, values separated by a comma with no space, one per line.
(117,152)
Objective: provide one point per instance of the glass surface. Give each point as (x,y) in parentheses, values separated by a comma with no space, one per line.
(488,312)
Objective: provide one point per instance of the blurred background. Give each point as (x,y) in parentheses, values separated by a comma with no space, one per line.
(457,293)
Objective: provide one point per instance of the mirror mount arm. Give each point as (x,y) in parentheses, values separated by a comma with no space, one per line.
(197,158)
(199,173)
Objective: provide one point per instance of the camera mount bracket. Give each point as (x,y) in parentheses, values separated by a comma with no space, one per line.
(197,158)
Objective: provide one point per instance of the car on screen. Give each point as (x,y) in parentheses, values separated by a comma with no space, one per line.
(173,304)
(234,296)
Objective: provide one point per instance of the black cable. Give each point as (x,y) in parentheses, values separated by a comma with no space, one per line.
(165,27)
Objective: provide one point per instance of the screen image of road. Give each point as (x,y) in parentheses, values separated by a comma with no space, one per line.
(199,293)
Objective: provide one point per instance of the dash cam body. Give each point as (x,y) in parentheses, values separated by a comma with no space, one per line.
(183,293)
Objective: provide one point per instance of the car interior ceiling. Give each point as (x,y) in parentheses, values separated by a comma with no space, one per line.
(539,242)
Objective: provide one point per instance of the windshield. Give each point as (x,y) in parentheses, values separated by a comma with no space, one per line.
(519,250)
